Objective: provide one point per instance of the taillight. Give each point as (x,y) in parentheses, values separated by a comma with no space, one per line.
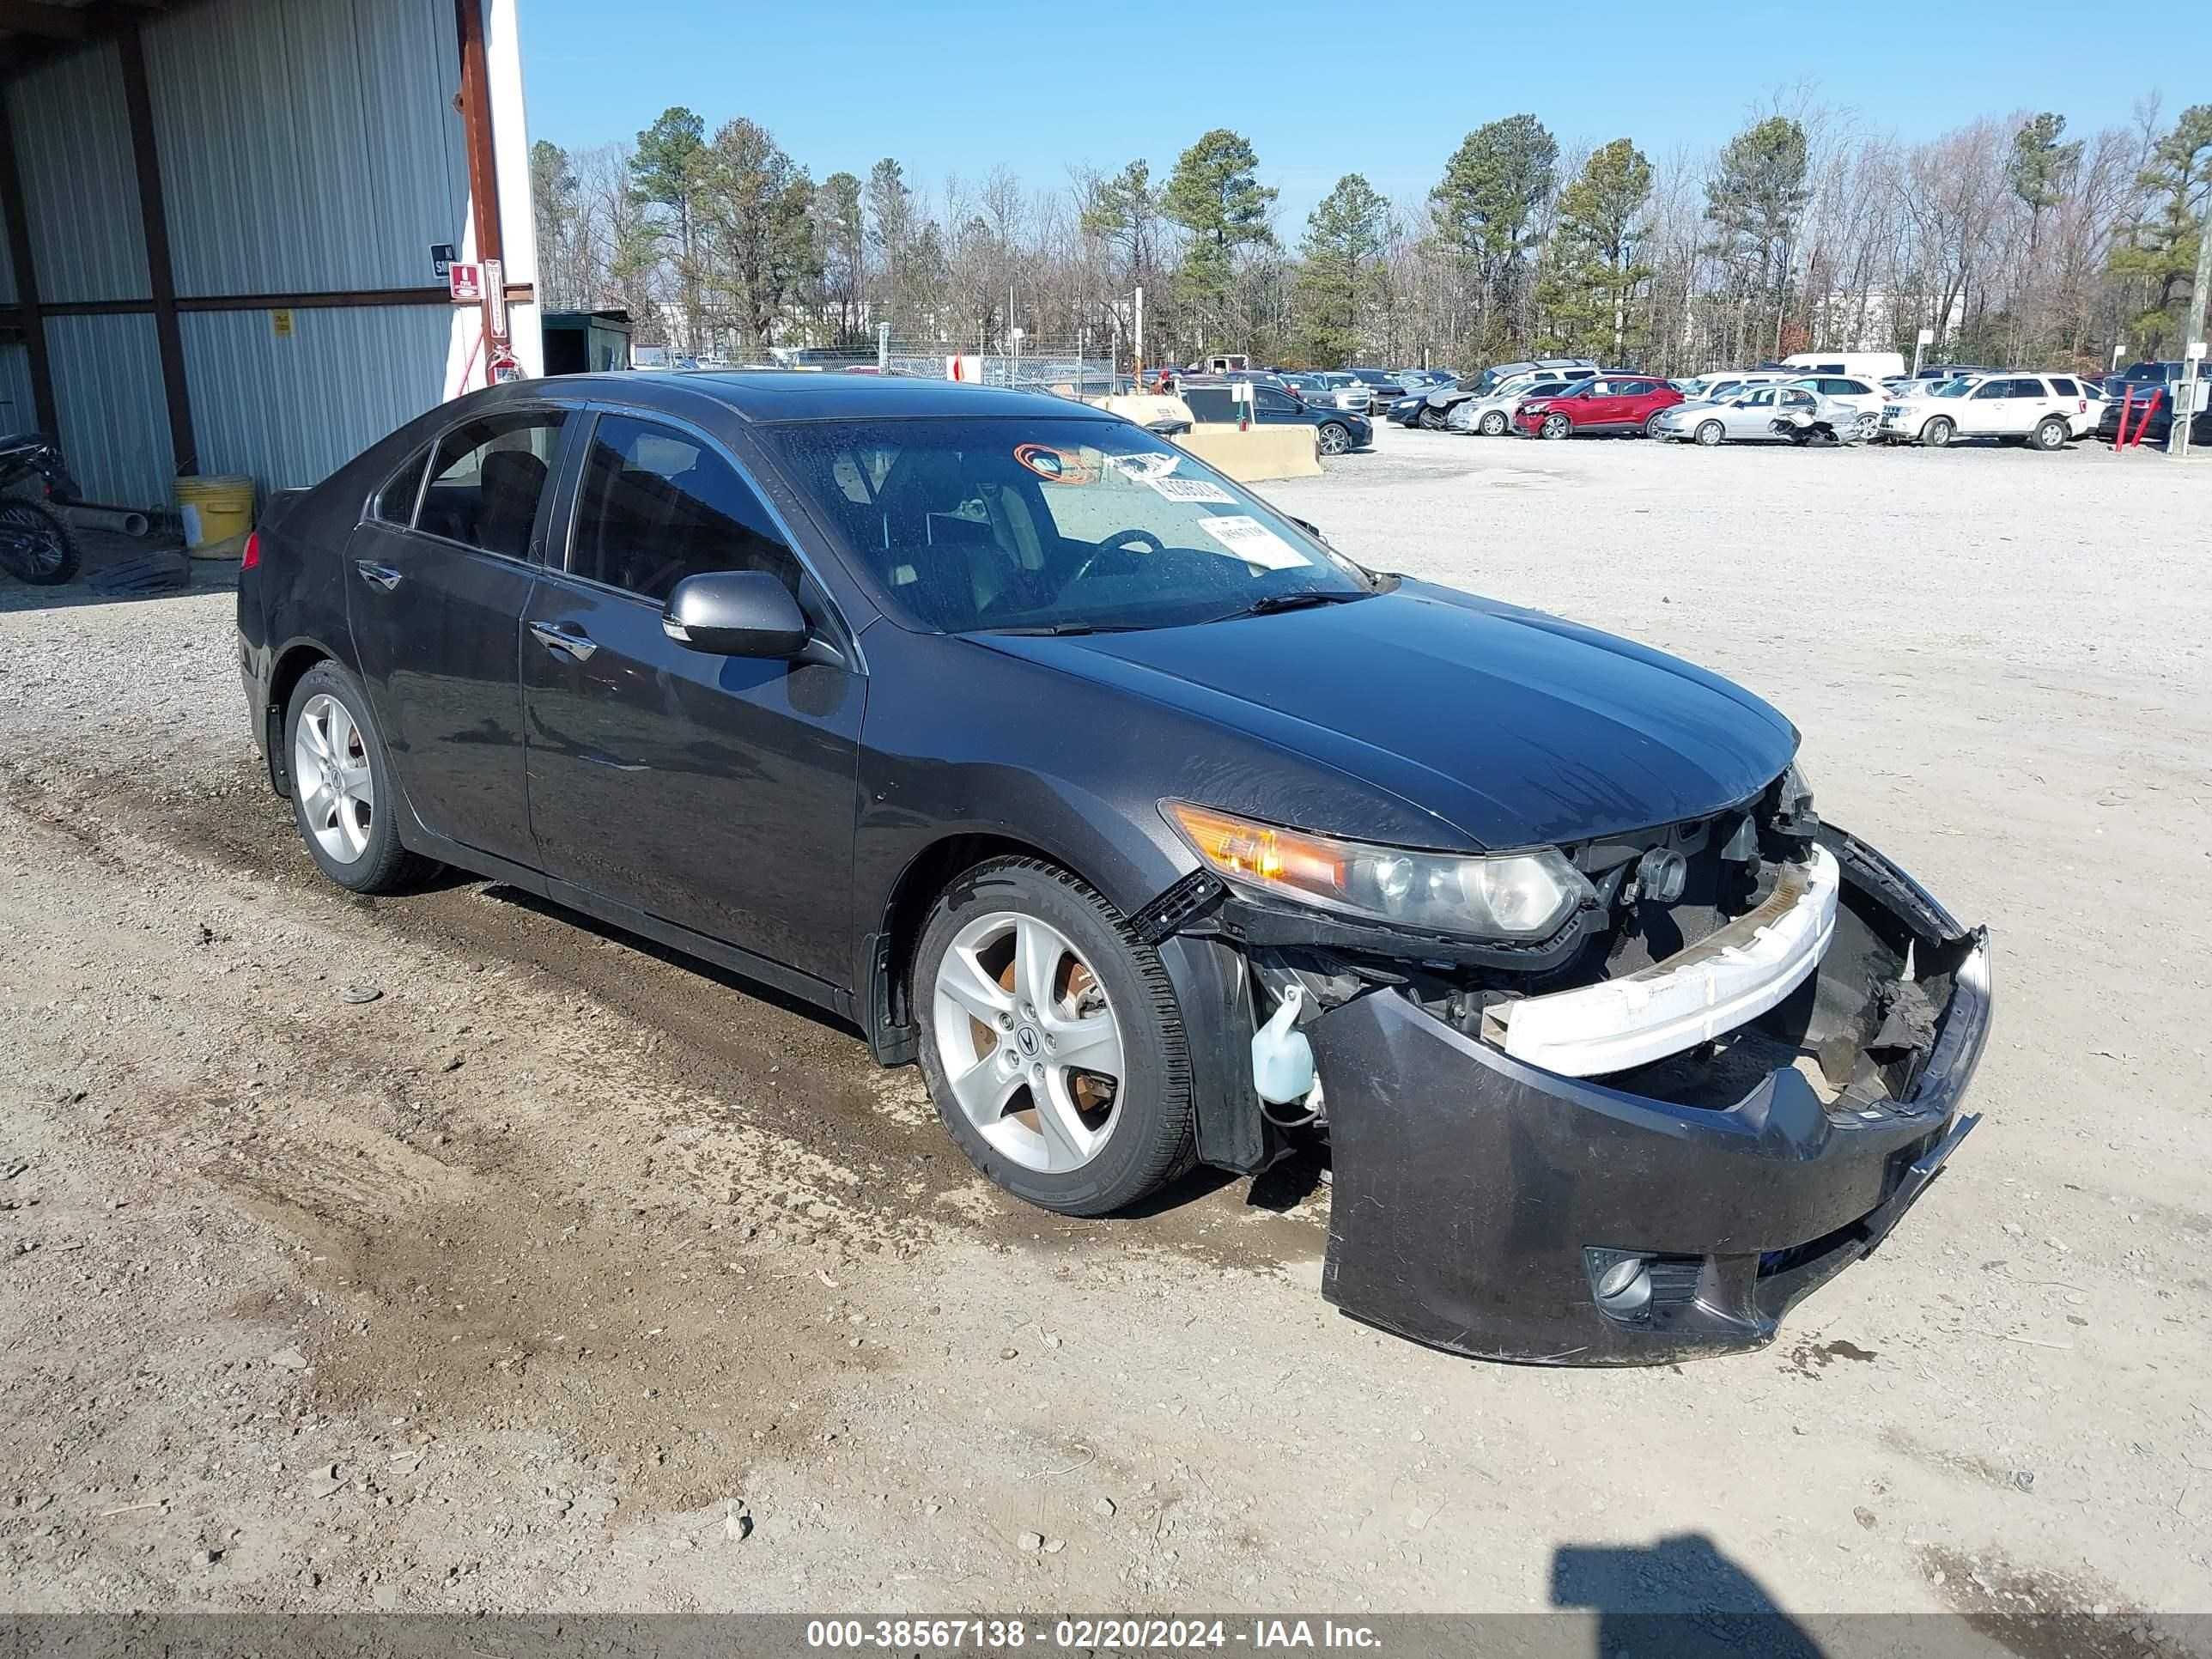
(251,559)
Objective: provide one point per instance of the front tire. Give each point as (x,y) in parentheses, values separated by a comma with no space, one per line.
(1051,1040)
(1938,433)
(343,799)
(1432,420)
(1555,427)
(1710,433)
(1493,424)
(1335,440)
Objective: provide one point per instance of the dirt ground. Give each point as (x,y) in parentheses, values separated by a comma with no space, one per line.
(446,1252)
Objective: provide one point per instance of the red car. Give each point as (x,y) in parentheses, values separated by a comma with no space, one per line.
(1611,403)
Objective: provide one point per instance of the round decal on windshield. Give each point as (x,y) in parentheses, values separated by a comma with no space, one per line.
(1054,465)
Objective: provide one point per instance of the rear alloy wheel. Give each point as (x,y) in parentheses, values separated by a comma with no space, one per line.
(1335,440)
(2050,435)
(1493,424)
(1710,433)
(341,784)
(1051,1040)
(1651,424)
(1938,433)
(1555,426)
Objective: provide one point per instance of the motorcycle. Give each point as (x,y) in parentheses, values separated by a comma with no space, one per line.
(35,545)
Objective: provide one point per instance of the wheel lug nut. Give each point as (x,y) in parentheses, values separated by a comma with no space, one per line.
(1037,1072)
(1005,1022)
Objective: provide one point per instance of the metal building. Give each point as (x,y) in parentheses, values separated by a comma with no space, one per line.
(221,222)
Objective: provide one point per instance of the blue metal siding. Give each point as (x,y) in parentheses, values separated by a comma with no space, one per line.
(80,184)
(114,421)
(290,411)
(308,144)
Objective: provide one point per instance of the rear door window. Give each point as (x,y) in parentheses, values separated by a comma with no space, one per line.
(395,502)
(487,481)
(658,505)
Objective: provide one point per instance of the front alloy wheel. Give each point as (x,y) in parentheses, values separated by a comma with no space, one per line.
(1493,424)
(1052,1040)
(1938,433)
(1555,426)
(1031,1041)
(1710,433)
(1335,439)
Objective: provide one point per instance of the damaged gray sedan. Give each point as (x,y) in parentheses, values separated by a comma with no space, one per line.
(1155,830)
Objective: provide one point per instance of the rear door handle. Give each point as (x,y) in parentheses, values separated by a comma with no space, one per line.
(377,575)
(566,638)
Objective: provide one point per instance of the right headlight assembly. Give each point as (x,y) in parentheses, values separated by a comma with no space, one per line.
(1520,897)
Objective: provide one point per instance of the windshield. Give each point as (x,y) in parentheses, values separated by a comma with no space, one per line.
(1059,525)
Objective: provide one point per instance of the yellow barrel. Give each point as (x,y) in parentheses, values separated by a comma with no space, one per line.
(218,512)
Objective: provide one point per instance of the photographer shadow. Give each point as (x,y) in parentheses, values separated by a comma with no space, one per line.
(1681,1596)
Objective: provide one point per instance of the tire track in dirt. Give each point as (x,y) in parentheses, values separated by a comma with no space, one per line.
(706,1035)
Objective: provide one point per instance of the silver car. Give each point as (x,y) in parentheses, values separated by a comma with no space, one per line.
(1748,416)
(1492,415)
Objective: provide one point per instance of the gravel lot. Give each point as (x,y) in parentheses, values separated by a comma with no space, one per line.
(563,1273)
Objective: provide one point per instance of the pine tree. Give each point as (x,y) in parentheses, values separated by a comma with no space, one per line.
(1342,248)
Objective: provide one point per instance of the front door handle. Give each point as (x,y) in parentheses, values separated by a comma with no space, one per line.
(377,575)
(566,638)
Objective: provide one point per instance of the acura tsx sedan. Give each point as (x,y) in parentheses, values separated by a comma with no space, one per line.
(1156,831)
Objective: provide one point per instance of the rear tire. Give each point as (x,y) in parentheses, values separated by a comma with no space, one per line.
(2050,435)
(53,558)
(1651,424)
(343,799)
(1109,1158)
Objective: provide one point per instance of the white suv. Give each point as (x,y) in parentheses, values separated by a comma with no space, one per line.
(2046,411)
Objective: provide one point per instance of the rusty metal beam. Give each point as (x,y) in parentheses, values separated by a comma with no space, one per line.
(484,167)
(44,414)
(161,272)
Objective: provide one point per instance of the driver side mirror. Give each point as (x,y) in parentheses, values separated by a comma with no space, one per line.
(736,613)
(1313,531)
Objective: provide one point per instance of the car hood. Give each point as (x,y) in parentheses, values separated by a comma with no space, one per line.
(1507,726)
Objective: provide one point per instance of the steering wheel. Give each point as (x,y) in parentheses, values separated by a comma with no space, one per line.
(1120,545)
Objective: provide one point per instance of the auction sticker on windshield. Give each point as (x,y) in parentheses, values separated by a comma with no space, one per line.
(1191,489)
(1254,543)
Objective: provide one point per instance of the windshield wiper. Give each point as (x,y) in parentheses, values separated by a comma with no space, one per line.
(1268,603)
(1061,629)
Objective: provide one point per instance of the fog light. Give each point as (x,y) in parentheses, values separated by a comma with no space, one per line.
(1625,1287)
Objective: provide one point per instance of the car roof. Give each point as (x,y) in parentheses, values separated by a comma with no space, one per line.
(769,395)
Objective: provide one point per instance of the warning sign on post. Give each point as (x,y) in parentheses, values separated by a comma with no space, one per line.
(464,283)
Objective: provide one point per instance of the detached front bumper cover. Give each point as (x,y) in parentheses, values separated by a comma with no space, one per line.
(1479,1200)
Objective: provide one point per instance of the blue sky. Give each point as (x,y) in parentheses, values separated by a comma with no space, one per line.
(1377,86)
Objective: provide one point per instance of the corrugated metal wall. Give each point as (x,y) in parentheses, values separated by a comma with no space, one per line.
(290,411)
(306,147)
(80,187)
(308,144)
(114,423)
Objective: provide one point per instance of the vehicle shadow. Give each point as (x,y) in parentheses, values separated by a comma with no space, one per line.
(1681,1596)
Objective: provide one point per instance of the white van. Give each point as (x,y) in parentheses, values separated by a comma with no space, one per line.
(1866,365)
